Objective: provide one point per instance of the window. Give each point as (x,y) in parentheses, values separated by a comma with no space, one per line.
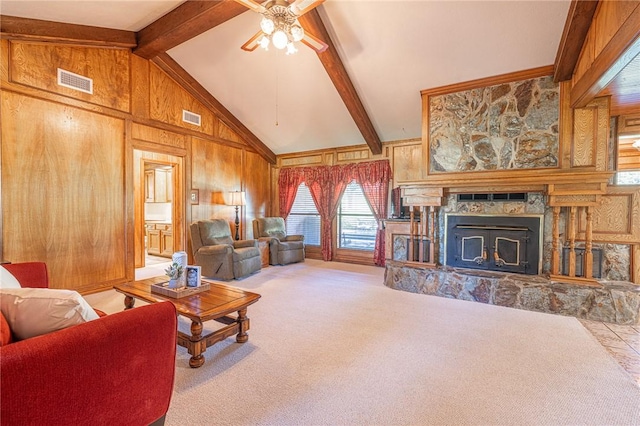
(628,159)
(357,226)
(304,218)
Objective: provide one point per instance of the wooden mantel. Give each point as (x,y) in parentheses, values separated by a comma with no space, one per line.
(512,181)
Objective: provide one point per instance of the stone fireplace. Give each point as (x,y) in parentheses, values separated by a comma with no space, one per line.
(468,264)
(512,146)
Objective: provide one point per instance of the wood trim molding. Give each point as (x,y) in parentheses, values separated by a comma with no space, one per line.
(616,55)
(490,81)
(510,178)
(191,85)
(635,263)
(188,20)
(40,30)
(332,63)
(574,34)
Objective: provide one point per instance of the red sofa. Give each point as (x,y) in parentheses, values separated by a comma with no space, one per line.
(115,370)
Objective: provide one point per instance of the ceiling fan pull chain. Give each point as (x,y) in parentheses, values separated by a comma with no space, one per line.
(277,73)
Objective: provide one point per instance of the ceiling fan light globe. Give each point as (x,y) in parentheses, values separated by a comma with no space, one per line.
(297,32)
(291,49)
(264,42)
(279,39)
(267,25)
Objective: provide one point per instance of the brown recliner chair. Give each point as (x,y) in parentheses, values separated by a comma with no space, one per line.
(219,255)
(283,248)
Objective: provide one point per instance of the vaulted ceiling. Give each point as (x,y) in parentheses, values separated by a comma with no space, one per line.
(364,89)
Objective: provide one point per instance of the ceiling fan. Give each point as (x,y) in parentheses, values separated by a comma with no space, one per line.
(280,26)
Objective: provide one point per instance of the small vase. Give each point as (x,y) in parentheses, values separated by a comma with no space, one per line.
(173,283)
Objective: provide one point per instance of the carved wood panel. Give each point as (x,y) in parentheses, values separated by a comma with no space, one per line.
(591,135)
(584,137)
(62,187)
(407,163)
(306,160)
(353,156)
(616,219)
(36,65)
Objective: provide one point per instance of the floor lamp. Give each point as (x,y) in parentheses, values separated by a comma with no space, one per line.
(237,199)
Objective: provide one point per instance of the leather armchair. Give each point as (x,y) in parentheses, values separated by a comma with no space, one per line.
(283,248)
(219,255)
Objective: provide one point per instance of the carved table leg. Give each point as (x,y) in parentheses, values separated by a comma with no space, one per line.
(243,326)
(197,359)
(129,302)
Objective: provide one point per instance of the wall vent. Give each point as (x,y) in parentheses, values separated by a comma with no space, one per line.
(75,81)
(190,117)
(512,196)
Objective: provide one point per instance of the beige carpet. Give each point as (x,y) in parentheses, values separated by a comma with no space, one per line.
(329,344)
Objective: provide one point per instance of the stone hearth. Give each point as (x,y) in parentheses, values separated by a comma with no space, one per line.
(612,301)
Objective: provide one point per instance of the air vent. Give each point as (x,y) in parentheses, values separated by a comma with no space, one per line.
(512,196)
(75,81)
(190,117)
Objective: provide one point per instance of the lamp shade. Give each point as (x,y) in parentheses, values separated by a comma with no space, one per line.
(236,198)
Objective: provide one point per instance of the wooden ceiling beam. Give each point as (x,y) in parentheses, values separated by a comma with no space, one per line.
(332,63)
(195,89)
(574,34)
(39,30)
(183,23)
(619,52)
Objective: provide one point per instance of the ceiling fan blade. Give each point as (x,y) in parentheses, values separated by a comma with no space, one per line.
(252,43)
(314,42)
(253,5)
(300,7)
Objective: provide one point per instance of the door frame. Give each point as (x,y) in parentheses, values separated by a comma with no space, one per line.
(147,152)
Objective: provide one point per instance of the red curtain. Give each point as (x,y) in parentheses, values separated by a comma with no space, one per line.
(327,184)
(288,182)
(374,178)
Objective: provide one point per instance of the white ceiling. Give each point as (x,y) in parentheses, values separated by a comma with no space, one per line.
(391,49)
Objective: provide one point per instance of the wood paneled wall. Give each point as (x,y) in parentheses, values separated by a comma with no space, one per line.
(36,65)
(218,169)
(258,188)
(62,181)
(70,164)
(168,109)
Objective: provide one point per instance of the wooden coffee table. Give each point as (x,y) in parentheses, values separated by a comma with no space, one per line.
(213,304)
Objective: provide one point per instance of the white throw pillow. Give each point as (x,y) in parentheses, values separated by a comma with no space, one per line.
(7,280)
(34,311)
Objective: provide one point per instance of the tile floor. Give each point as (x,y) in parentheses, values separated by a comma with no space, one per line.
(621,341)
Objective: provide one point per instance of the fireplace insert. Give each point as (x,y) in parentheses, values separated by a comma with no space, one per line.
(496,243)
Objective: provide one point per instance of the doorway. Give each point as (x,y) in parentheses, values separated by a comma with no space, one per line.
(158,212)
(158,208)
